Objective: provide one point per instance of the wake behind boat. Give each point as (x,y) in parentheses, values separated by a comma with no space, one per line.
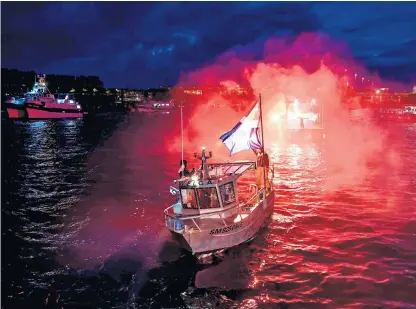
(218,206)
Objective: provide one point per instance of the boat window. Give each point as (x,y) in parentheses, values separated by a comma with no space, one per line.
(189,198)
(208,198)
(227,193)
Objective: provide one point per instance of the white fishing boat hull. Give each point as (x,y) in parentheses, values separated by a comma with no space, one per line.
(199,242)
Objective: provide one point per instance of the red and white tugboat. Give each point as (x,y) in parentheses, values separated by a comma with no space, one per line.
(46,106)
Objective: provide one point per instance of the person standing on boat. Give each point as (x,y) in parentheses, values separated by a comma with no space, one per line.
(302,124)
(183,170)
(263,164)
(177,210)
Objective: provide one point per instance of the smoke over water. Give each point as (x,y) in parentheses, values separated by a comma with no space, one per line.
(123,217)
(310,67)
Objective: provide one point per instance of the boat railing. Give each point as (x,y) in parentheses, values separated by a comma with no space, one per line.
(191,220)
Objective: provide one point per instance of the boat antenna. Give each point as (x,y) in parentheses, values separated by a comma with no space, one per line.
(263,145)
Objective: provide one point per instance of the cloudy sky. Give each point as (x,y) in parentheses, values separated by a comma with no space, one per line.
(144,44)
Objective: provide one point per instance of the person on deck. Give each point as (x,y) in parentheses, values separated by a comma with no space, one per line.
(177,210)
(263,164)
(183,170)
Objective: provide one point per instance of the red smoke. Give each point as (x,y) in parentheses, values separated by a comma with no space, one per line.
(133,172)
(311,66)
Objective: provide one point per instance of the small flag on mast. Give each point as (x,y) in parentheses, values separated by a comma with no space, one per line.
(244,135)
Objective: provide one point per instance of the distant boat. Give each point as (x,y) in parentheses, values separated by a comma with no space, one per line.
(163,105)
(153,106)
(301,120)
(46,106)
(406,114)
(15,105)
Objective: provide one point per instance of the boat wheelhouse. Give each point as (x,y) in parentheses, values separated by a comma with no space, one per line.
(219,208)
(66,98)
(16,105)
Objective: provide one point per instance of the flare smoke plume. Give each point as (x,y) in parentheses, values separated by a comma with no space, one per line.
(312,66)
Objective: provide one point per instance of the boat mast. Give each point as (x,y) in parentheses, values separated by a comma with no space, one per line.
(182,128)
(264,149)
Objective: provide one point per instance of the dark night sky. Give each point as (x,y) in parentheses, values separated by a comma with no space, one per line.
(141,44)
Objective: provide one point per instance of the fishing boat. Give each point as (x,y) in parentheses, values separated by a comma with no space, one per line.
(410,113)
(46,106)
(151,107)
(219,206)
(163,105)
(303,120)
(406,114)
(15,105)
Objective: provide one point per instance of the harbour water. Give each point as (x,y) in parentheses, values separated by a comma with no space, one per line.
(82,227)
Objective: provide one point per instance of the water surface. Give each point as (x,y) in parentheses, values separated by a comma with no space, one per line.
(82,226)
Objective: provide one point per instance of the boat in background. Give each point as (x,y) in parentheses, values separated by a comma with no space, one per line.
(152,107)
(163,105)
(406,114)
(410,113)
(15,105)
(46,106)
(302,120)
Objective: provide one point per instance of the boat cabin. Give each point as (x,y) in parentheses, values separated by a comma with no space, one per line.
(66,96)
(45,97)
(217,192)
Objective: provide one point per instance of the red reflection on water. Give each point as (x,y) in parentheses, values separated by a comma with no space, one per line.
(336,200)
(135,167)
